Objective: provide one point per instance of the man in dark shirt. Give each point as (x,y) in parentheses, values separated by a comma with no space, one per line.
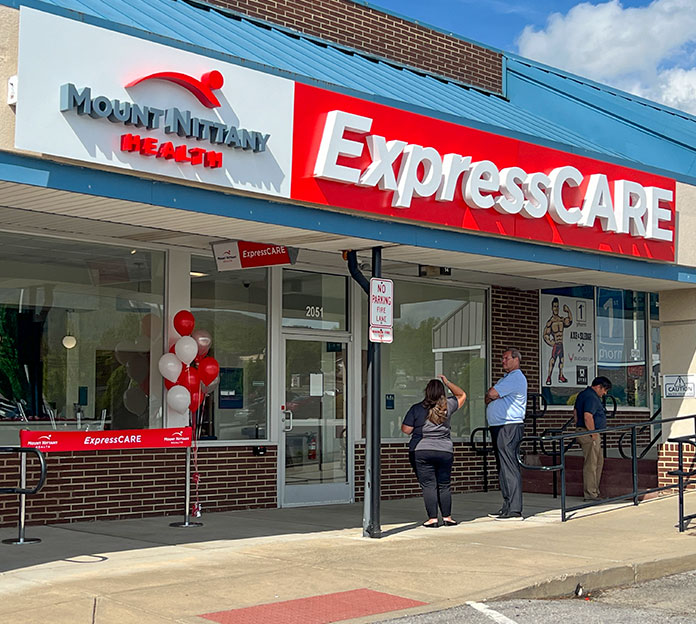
(590,416)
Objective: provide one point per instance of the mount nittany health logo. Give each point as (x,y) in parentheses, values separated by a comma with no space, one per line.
(172,121)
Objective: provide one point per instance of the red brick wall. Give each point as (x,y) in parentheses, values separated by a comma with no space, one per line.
(398,480)
(377,33)
(668,459)
(139,483)
(515,323)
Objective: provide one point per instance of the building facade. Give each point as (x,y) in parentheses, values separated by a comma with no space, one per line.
(143,142)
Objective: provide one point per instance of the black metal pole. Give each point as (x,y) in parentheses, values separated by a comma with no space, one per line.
(374,526)
(373,425)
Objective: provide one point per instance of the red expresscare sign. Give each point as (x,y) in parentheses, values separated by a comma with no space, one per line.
(53,440)
(353,154)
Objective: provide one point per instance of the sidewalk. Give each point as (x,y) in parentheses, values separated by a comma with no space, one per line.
(144,571)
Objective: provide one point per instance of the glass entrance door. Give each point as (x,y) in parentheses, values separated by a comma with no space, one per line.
(314,423)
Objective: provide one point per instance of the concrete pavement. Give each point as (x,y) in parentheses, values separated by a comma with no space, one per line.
(118,572)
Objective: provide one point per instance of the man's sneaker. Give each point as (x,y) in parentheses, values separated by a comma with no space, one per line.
(548,381)
(562,379)
(496,515)
(510,517)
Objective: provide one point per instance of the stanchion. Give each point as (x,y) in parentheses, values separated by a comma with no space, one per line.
(187,503)
(22,506)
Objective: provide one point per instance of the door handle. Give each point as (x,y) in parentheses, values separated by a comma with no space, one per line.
(287,420)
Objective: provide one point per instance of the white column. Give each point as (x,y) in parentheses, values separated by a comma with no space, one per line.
(177,297)
(678,354)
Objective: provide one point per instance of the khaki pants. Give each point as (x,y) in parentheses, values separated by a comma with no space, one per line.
(594,462)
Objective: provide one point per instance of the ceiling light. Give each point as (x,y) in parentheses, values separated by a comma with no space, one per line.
(197,274)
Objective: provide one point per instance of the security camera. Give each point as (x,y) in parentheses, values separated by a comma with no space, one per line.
(246,284)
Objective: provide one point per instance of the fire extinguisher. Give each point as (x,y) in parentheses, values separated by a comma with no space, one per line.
(312,448)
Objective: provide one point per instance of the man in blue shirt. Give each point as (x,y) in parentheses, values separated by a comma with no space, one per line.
(506,404)
(590,415)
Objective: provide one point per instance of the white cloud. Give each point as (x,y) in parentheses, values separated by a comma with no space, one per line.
(645,50)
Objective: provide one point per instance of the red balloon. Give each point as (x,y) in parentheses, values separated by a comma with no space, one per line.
(169,384)
(190,379)
(208,370)
(184,322)
(145,386)
(196,400)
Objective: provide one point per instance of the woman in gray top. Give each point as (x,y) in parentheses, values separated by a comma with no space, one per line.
(431,449)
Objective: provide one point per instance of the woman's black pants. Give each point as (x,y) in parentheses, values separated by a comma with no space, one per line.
(434,470)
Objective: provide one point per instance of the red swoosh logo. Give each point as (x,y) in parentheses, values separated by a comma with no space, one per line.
(202,89)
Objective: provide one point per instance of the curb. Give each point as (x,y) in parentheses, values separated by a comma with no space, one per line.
(607,578)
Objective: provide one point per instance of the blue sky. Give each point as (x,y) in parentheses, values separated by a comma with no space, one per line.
(646,47)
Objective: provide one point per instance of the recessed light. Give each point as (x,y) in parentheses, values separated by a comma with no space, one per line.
(197,274)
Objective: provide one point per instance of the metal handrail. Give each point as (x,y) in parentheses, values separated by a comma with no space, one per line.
(650,444)
(42,466)
(484,450)
(685,477)
(536,409)
(571,420)
(539,406)
(632,428)
(23,490)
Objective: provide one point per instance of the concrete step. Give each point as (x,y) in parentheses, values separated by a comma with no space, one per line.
(616,476)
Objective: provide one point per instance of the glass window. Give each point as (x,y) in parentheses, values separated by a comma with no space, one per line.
(233,307)
(437,329)
(78,324)
(621,344)
(314,300)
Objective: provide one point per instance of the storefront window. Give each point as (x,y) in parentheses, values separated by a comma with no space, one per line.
(437,329)
(314,300)
(78,325)
(621,344)
(567,342)
(233,307)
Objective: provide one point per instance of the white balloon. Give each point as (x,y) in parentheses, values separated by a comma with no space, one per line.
(203,340)
(178,398)
(178,419)
(186,349)
(135,401)
(170,366)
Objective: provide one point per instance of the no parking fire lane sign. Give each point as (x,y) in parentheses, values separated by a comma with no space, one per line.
(381,310)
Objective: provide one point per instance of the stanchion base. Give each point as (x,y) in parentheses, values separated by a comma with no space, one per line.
(29,540)
(186,524)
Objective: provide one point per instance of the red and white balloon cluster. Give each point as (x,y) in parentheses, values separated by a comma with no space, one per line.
(189,374)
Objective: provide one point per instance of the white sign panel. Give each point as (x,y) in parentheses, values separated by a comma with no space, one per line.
(381,334)
(679,386)
(381,302)
(98,96)
(381,310)
(567,341)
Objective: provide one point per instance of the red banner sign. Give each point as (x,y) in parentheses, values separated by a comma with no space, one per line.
(238,254)
(95,440)
(354,154)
